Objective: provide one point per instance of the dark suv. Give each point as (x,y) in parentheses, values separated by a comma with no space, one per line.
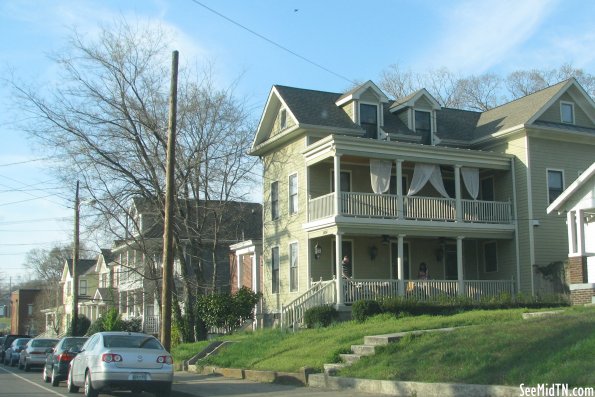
(8,339)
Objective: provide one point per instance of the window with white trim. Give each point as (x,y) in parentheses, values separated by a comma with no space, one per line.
(490,257)
(567,112)
(274,200)
(423,125)
(293,267)
(368,119)
(275,270)
(83,287)
(293,194)
(555,184)
(283,119)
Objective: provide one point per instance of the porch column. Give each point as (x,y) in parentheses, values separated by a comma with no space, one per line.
(338,269)
(460,265)
(580,232)
(400,189)
(337,171)
(570,221)
(458,206)
(239,259)
(400,272)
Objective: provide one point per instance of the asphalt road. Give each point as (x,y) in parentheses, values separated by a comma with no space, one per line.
(18,383)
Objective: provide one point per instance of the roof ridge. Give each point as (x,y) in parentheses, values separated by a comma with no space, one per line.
(309,89)
(528,95)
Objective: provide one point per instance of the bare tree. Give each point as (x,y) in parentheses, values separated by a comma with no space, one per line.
(524,82)
(107,119)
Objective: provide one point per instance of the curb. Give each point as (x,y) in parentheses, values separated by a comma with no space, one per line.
(399,388)
(285,378)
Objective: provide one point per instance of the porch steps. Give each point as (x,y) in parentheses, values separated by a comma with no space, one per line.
(369,347)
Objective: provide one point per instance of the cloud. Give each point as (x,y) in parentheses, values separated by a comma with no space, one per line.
(479,35)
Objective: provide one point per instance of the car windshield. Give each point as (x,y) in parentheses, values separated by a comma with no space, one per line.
(73,342)
(137,341)
(43,343)
(21,342)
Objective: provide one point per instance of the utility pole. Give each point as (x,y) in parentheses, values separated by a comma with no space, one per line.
(168,255)
(75,259)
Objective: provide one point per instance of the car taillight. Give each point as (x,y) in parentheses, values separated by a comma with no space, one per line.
(165,360)
(111,357)
(65,357)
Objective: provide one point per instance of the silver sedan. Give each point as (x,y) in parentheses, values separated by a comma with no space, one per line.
(121,361)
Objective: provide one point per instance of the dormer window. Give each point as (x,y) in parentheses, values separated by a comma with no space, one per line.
(283,119)
(368,119)
(423,126)
(567,112)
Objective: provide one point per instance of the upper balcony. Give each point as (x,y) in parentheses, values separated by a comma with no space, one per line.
(387,206)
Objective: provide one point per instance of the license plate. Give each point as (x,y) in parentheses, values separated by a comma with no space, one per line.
(139,376)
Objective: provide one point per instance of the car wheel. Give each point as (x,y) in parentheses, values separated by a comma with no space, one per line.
(69,385)
(44,375)
(89,391)
(55,380)
(27,366)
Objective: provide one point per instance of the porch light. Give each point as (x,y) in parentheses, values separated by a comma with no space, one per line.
(373,252)
(317,251)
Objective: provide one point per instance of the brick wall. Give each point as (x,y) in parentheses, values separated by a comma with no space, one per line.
(577,270)
(582,296)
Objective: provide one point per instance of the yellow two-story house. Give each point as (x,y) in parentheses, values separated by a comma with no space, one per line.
(423,200)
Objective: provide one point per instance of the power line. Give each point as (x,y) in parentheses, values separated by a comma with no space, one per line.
(274,42)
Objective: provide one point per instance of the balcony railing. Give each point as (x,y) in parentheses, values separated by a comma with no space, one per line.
(369,205)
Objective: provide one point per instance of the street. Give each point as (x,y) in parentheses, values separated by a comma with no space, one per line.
(15,382)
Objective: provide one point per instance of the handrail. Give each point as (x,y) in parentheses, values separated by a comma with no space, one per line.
(321,293)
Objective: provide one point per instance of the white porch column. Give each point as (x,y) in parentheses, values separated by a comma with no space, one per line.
(580,232)
(239,269)
(339,270)
(571,226)
(400,272)
(400,189)
(458,206)
(460,265)
(337,185)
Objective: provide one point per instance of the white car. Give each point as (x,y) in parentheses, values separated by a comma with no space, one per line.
(121,361)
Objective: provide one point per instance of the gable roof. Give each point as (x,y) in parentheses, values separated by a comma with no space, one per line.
(561,203)
(409,100)
(356,92)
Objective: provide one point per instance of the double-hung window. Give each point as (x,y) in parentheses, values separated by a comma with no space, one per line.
(83,287)
(555,184)
(567,112)
(275,200)
(293,267)
(275,270)
(293,194)
(368,119)
(423,126)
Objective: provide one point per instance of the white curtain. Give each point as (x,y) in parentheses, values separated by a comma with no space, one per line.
(471,179)
(380,175)
(424,173)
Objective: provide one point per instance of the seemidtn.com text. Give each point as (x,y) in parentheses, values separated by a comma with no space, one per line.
(555,390)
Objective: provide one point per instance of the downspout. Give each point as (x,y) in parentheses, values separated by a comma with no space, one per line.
(530,215)
(516,227)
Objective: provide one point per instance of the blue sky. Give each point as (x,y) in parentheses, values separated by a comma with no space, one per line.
(351,38)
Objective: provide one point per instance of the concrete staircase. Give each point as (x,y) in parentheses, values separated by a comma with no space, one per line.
(369,347)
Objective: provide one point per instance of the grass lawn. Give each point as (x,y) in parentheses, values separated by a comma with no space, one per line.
(550,350)
(500,349)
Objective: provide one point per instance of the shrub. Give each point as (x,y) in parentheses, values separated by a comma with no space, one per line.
(363,309)
(82,325)
(226,310)
(320,316)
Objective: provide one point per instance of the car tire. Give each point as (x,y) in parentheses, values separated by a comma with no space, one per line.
(55,381)
(70,386)
(89,391)
(44,375)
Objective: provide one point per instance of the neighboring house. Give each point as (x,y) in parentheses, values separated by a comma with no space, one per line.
(396,183)
(577,202)
(138,260)
(87,279)
(24,317)
(245,268)
(105,294)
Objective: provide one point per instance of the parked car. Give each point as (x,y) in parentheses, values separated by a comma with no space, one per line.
(58,358)
(33,355)
(8,339)
(11,355)
(121,361)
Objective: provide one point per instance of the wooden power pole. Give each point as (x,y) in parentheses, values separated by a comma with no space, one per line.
(168,246)
(75,260)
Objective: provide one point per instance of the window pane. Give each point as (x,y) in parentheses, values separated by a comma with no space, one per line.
(293,266)
(422,121)
(293,202)
(275,200)
(555,184)
(368,117)
(567,113)
(275,270)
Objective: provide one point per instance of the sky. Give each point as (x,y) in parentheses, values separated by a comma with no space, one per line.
(322,45)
